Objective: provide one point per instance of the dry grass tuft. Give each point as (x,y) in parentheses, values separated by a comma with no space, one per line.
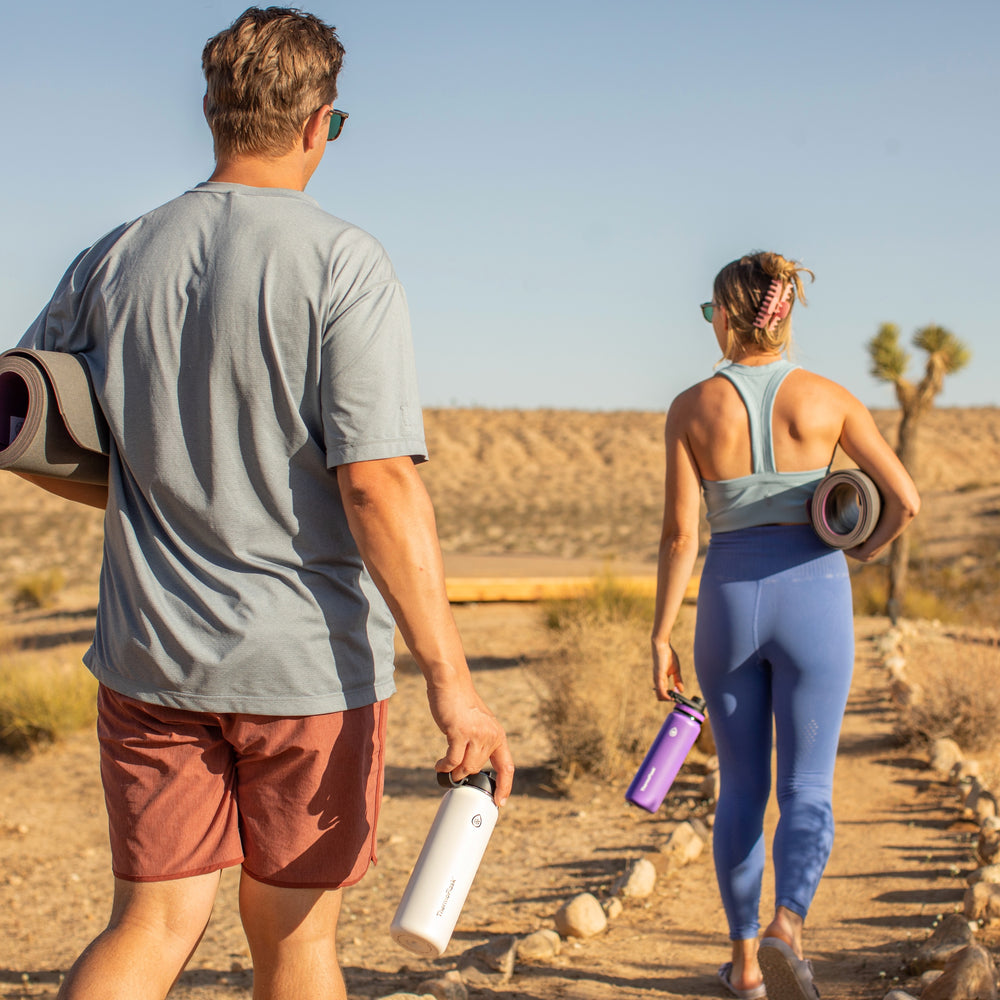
(960,700)
(42,700)
(963,591)
(609,600)
(38,590)
(598,705)
(871,594)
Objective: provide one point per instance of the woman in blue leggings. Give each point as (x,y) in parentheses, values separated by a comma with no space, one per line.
(774,642)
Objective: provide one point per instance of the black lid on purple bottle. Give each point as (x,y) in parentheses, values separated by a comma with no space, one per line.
(695,703)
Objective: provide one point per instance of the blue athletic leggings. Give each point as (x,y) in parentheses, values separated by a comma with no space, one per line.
(774,637)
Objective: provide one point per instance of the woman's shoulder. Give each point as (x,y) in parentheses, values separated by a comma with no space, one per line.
(806,391)
(709,389)
(711,401)
(812,382)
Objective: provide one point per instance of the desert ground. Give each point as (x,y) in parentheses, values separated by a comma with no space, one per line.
(532,493)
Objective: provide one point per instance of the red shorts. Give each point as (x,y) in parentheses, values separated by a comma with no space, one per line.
(295,800)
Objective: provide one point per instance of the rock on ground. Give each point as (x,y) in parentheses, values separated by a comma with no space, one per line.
(988,873)
(949,937)
(945,754)
(982,902)
(446,987)
(637,882)
(539,946)
(683,845)
(968,975)
(582,916)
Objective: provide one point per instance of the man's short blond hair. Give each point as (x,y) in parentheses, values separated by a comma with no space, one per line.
(265,75)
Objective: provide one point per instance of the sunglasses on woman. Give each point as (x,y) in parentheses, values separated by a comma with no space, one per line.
(706,310)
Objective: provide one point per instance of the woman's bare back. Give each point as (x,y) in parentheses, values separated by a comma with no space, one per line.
(808,418)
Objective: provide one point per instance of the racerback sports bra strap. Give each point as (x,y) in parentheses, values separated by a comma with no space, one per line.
(758,386)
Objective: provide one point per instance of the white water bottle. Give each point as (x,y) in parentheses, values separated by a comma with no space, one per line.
(448,862)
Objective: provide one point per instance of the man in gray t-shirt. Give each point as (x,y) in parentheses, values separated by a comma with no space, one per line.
(266,529)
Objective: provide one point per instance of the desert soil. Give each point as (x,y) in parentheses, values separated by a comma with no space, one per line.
(894,869)
(900,852)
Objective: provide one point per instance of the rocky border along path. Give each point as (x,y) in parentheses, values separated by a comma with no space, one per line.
(892,875)
(884,918)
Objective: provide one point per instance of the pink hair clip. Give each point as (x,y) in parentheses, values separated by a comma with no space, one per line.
(775,306)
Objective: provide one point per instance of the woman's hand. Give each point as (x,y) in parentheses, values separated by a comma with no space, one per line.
(666,670)
(866,552)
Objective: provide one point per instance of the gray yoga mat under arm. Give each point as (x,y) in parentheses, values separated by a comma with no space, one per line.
(845,508)
(50,422)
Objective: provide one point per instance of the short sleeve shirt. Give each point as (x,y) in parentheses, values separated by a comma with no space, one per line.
(243,343)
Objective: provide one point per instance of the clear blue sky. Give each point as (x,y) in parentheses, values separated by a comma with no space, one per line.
(558,182)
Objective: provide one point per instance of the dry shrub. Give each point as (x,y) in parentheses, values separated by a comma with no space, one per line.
(870,588)
(969,585)
(960,696)
(963,591)
(609,600)
(42,700)
(39,589)
(598,705)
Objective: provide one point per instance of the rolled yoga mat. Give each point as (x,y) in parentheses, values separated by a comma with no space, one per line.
(50,421)
(845,508)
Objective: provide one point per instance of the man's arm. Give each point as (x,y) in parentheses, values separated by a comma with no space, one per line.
(87,493)
(392,521)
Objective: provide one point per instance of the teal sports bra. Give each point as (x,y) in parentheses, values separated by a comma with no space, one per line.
(766,496)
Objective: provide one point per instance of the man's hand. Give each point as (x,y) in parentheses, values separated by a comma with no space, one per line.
(474,736)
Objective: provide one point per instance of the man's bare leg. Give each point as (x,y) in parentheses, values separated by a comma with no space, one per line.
(293,941)
(153,931)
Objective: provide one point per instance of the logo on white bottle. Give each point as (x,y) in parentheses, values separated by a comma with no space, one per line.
(447,896)
(477,821)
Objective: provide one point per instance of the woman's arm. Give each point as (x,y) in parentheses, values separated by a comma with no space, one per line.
(678,547)
(863,442)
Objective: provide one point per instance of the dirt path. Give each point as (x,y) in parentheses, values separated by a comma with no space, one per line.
(893,870)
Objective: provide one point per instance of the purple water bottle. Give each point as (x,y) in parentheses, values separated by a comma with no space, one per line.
(676,737)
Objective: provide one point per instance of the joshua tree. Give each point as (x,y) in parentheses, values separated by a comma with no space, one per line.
(946,354)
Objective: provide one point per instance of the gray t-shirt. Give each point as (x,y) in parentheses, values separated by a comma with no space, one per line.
(242,343)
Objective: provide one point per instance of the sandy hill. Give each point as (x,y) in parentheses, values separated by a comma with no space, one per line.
(574,484)
(560,483)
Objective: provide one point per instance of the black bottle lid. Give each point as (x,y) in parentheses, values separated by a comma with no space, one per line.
(483,780)
(694,702)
